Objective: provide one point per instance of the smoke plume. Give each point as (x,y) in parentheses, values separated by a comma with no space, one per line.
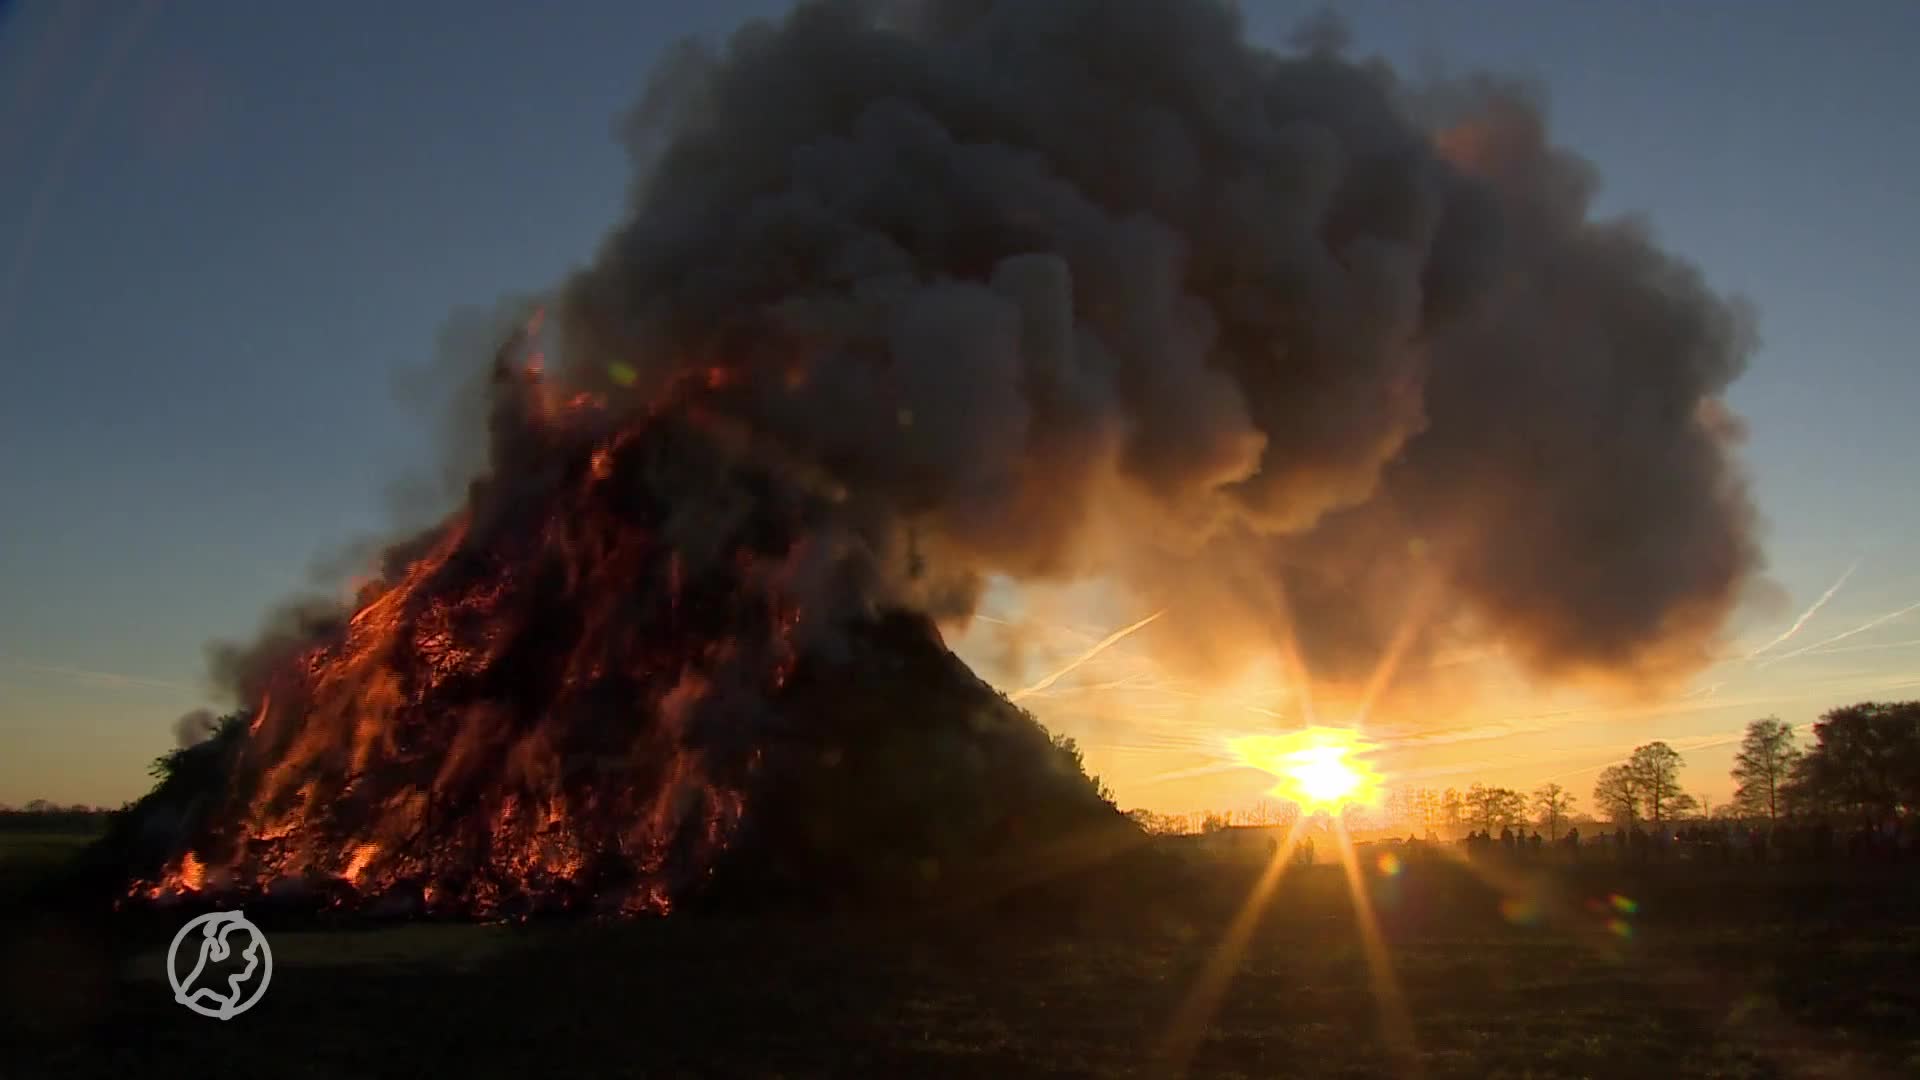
(194,727)
(914,295)
(1305,354)
(1098,287)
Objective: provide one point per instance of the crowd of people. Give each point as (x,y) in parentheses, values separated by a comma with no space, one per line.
(1726,841)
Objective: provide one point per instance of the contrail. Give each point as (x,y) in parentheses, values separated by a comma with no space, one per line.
(110,679)
(1099,647)
(1809,613)
(1706,691)
(1876,647)
(1861,629)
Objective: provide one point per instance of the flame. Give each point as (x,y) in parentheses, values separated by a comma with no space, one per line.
(357,866)
(510,719)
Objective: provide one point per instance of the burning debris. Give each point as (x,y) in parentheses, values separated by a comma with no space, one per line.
(914,294)
(568,695)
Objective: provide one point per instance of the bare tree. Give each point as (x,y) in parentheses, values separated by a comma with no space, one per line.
(1763,766)
(1426,803)
(1616,792)
(1495,807)
(1453,810)
(1552,803)
(1513,808)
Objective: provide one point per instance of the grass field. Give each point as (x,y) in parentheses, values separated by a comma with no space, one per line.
(1596,971)
(26,857)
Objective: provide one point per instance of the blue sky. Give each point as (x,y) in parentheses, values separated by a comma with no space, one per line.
(226,226)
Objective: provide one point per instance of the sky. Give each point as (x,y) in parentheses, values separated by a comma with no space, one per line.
(228,229)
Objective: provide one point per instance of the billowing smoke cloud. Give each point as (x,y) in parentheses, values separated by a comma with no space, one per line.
(1306,355)
(1288,346)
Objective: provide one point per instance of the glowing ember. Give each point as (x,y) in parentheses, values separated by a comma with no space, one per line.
(571,693)
(528,709)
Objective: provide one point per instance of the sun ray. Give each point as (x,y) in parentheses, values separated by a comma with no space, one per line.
(1396,1025)
(1411,623)
(1196,1012)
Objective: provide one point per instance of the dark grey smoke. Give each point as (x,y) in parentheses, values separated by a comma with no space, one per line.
(194,728)
(1099,287)
(1297,350)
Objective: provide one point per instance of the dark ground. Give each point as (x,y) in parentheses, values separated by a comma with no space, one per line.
(1720,971)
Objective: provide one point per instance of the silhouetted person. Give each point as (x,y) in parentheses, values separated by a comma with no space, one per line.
(1534,842)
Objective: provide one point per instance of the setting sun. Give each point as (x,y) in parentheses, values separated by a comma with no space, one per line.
(1317,768)
(1324,777)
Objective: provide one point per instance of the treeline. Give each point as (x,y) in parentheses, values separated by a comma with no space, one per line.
(42,816)
(1861,768)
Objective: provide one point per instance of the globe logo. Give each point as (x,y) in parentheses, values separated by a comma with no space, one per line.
(226,966)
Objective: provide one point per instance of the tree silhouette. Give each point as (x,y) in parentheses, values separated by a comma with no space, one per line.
(1552,803)
(1617,793)
(1865,761)
(1453,810)
(1656,770)
(1495,807)
(1426,807)
(1763,766)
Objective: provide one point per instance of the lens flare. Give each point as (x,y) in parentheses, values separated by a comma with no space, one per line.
(1318,769)
(1520,910)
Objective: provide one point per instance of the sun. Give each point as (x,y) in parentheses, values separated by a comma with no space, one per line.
(1323,777)
(1317,769)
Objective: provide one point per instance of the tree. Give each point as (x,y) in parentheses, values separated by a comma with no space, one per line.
(1865,761)
(1512,808)
(1156,824)
(1656,771)
(1490,808)
(1616,792)
(1426,804)
(1453,810)
(1763,767)
(1266,812)
(1074,763)
(1552,803)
